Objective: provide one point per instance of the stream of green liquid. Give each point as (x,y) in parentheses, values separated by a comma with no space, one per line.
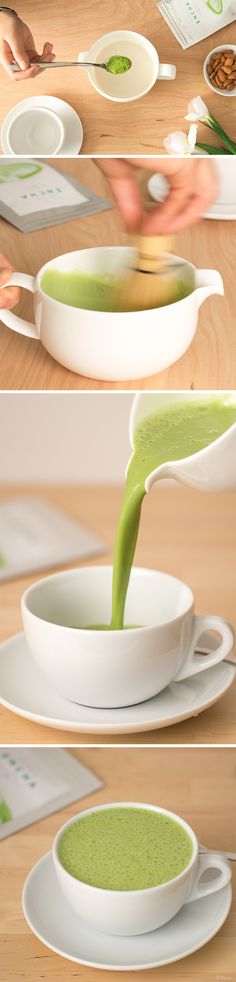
(172,433)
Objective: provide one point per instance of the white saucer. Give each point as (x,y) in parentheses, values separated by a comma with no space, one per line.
(73,127)
(224,208)
(24,691)
(50,918)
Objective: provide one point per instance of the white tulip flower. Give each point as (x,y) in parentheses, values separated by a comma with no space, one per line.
(197,110)
(181,144)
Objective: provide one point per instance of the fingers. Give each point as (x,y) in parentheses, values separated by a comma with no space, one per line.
(9,297)
(21,76)
(169,216)
(192,188)
(11,294)
(124,188)
(47,53)
(19,52)
(7,57)
(5,266)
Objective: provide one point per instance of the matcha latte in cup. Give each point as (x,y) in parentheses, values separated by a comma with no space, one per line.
(110,637)
(127,868)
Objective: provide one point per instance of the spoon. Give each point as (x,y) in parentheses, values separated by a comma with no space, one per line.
(126,64)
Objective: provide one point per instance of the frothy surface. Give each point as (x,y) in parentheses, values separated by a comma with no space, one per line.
(125,849)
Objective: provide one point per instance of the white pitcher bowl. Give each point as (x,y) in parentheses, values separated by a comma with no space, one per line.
(211,469)
(117,346)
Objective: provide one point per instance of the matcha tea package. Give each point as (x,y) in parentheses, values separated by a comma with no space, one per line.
(193,20)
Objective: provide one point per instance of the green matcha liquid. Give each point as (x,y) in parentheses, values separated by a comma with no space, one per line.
(125,848)
(172,433)
(99,292)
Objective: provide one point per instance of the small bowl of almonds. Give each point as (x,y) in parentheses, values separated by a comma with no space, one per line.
(220,70)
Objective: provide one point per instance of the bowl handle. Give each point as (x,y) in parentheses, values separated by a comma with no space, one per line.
(11,320)
(207,282)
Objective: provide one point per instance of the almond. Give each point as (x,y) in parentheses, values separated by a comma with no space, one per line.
(221,69)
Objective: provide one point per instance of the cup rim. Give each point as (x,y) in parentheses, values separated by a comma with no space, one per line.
(217,91)
(80,631)
(34,109)
(105,313)
(126,804)
(150,46)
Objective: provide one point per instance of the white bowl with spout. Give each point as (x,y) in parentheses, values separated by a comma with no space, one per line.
(117,346)
(211,469)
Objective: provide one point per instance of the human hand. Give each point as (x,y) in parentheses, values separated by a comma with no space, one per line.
(193,185)
(11,294)
(17,44)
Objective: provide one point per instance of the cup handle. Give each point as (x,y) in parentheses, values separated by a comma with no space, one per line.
(210,861)
(84,56)
(11,320)
(199,663)
(166,72)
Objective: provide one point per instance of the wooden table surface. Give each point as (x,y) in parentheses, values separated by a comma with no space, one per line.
(209,363)
(136,127)
(198,784)
(193,536)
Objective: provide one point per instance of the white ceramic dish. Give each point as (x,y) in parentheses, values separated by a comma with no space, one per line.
(118,346)
(35,131)
(214,88)
(69,121)
(224,208)
(55,925)
(25,692)
(145,71)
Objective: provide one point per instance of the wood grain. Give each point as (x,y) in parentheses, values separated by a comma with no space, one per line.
(210,362)
(198,784)
(136,127)
(185,533)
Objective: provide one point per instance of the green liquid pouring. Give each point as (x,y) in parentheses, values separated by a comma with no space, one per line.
(172,433)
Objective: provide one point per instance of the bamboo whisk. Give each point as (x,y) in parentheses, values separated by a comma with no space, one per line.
(151,280)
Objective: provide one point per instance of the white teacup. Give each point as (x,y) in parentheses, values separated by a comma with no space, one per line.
(141,77)
(110,669)
(117,346)
(35,130)
(130,912)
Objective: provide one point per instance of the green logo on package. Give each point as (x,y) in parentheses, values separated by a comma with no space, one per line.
(5,813)
(18,172)
(215,5)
